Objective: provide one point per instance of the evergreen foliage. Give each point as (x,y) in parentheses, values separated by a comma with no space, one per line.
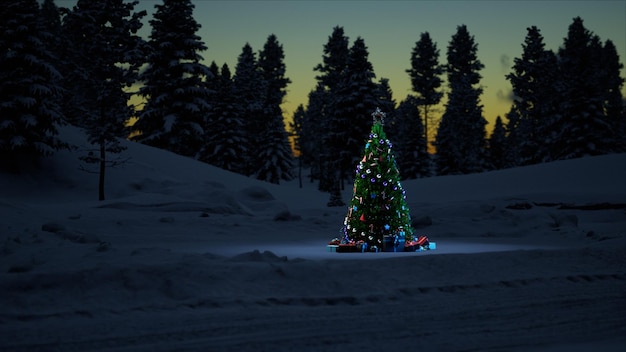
(425,74)
(378,207)
(225,142)
(107,54)
(275,157)
(356,97)
(614,102)
(498,157)
(332,71)
(29,87)
(175,82)
(460,138)
(582,128)
(249,89)
(535,81)
(311,134)
(384,96)
(410,141)
(296,128)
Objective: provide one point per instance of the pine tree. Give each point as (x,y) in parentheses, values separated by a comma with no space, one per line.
(386,102)
(410,141)
(461,135)
(378,207)
(29,88)
(225,142)
(335,61)
(357,95)
(271,136)
(296,128)
(582,128)
(425,74)
(175,82)
(535,81)
(250,89)
(107,54)
(512,137)
(312,132)
(497,146)
(612,83)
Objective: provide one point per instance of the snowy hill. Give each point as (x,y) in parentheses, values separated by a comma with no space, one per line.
(184,256)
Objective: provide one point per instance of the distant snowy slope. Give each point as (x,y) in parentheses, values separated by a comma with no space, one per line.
(603,178)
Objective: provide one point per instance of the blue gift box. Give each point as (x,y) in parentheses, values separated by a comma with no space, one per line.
(432,245)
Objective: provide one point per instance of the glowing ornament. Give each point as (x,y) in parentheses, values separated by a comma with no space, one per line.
(387,227)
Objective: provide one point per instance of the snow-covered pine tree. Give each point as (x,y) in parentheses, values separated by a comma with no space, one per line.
(582,128)
(313,126)
(356,97)
(174,82)
(534,80)
(378,206)
(225,144)
(410,140)
(29,88)
(250,89)
(275,157)
(107,53)
(460,138)
(425,74)
(334,63)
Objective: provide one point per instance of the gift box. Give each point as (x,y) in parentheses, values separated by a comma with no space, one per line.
(347,248)
(331,248)
(391,245)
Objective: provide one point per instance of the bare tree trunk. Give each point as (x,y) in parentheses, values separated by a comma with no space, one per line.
(102,168)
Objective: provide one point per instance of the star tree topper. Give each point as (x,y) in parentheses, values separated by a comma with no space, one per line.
(378,116)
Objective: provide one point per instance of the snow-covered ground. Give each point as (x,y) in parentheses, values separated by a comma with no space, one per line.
(186,257)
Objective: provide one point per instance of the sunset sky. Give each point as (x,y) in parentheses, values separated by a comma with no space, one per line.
(390,30)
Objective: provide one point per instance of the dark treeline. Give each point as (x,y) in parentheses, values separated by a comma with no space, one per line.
(567,104)
(80,66)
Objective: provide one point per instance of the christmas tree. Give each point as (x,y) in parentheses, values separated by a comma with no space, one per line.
(378,207)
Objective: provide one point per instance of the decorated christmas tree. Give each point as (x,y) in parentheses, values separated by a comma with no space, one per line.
(378,212)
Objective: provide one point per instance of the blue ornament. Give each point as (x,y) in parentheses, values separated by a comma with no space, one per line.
(387,227)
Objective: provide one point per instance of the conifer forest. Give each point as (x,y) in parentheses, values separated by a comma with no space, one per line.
(87,66)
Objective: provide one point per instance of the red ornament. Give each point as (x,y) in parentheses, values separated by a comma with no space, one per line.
(362,218)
